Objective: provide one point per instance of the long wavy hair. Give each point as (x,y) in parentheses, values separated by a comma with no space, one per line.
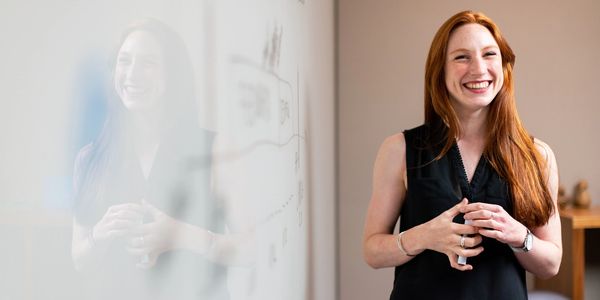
(509,148)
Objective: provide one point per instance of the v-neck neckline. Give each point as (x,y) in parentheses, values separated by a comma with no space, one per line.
(468,187)
(146,170)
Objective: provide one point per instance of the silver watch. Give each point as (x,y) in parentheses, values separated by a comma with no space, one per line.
(527,243)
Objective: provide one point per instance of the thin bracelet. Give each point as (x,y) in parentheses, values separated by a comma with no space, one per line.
(399,243)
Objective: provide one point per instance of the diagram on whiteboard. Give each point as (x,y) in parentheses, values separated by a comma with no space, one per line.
(262,114)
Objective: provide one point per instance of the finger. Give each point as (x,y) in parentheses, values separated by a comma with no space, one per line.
(482,206)
(468,252)
(129,215)
(461,229)
(480,214)
(130,206)
(116,213)
(122,225)
(487,224)
(453,258)
(456,209)
(494,234)
(468,242)
(471,242)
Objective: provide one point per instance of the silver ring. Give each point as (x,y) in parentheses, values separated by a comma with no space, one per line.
(462,241)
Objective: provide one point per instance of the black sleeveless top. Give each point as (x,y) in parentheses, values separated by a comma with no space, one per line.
(434,186)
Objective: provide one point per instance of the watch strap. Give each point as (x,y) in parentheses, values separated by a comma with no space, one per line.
(527,242)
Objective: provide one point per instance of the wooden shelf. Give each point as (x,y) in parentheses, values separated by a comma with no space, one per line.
(582,217)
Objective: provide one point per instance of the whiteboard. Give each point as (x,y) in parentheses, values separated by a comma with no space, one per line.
(254,73)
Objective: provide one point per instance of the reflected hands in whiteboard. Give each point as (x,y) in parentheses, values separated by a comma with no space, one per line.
(153,238)
(120,220)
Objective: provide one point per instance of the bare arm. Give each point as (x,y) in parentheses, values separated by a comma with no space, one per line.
(83,249)
(545,257)
(389,189)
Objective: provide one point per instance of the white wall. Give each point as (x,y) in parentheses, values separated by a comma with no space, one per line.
(382,50)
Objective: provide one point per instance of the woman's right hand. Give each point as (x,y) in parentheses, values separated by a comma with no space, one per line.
(119,221)
(444,236)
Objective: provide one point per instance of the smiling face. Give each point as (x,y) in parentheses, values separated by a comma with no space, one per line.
(140,72)
(473,68)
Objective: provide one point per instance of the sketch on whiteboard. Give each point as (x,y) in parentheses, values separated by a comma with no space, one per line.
(264,159)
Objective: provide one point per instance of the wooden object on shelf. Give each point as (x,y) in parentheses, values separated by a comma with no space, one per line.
(581,196)
(563,199)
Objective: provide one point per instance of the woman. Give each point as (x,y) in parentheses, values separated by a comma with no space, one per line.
(146,225)
(475,194)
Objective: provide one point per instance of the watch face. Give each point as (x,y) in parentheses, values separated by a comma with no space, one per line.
(528,241)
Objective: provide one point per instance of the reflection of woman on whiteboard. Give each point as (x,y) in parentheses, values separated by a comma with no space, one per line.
(146,224)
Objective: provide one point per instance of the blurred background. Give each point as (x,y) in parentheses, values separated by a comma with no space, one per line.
(306,90)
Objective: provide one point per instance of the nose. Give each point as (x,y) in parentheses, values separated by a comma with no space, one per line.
(134,70)
(477,66)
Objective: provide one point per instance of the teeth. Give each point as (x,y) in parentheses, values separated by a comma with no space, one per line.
(132,89)
(478,85)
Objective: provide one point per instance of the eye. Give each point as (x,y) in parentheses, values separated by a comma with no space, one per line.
(461,57)
(123,60)
(490,53)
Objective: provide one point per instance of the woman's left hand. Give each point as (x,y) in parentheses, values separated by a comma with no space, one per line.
(494,222)
(154,238)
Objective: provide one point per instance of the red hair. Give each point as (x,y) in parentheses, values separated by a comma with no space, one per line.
(509,147)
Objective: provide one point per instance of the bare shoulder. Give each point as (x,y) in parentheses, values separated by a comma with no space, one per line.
(544,149)
(551,165)
(391,157)
(394,145)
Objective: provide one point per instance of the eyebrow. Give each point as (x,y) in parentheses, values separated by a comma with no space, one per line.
(466,50)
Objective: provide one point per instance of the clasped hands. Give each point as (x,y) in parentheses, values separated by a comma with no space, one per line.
(487,220)
(147,231)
